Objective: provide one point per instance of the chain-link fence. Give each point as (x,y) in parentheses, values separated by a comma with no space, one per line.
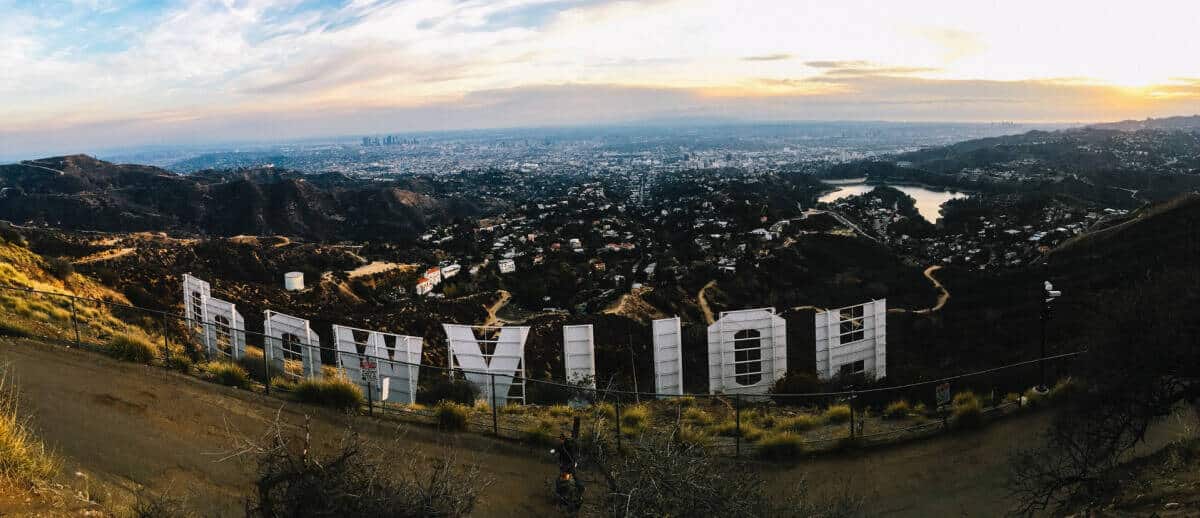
(394,386)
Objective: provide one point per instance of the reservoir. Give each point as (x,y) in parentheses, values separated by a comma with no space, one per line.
(929,201)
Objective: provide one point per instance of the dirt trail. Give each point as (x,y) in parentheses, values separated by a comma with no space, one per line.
(492,318)
(708,314)
(943,294)
(105,255)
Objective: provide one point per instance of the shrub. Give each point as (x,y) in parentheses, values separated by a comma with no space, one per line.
(284,383)
(897,410)
(798,423)
(254,364)
(458,391)
(693,436)
(24,460)
(297,478)
(561,411)
(226,373)
(514,409)
(338,393)
(60,267)
(1064,389)
(14,329)
(698,416)
(729,428)
(179,362)
(967,410)
(837,413)
(540,432)
(635,418)
(795,383)
(1033,397)
(451,415)
(605,410)
(781,446)
(685,401)
(131,349)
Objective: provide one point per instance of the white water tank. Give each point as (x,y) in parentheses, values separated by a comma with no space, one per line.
(293,281)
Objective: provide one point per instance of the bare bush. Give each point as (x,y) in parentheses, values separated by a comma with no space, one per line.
(356,479)
(658,476)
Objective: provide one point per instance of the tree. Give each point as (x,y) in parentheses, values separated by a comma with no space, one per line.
(1144,360)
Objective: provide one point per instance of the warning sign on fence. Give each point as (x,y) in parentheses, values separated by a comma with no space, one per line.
(943,394)
(370,371)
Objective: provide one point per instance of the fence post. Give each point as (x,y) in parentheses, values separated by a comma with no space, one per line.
(267,364)
(618,420)
(162,321)
(851,413)
(737,419)
(370,398)
(495,419)
(74,320)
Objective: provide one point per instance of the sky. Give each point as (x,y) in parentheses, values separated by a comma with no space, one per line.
(87,74)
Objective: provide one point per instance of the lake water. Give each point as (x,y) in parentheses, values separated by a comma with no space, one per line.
(929,201)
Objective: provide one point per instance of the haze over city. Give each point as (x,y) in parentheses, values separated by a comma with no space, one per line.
(88,75)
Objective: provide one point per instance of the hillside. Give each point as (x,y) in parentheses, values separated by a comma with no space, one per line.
(83,193)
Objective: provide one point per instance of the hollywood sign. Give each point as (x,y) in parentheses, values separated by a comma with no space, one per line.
(747,349)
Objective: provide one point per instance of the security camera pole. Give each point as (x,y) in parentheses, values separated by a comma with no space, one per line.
(1050,295)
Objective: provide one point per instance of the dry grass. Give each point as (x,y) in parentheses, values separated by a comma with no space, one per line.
(799,423)
(897,410)
(697,416)
(781,446)
(542,432)
(24,460)
(226,373)
(967,410)
(837,413)
(635,419)
(451,416)
(334,392)
(132,349)
(693,436)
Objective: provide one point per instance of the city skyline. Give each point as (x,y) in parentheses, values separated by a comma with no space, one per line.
(104,73)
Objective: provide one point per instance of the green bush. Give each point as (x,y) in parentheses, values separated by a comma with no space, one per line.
(14,329)
(837,413)
(798,423)
(338,393)
(451,415)
(131,349)
(967,410)
(795,382)
(781,446)
(540,432)
(897,410)
(225,373)
(458,391)
(729,428)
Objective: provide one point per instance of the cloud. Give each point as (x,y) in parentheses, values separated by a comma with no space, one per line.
(769,57)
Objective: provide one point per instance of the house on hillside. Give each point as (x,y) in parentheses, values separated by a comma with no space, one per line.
(508,266)
(424,285)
